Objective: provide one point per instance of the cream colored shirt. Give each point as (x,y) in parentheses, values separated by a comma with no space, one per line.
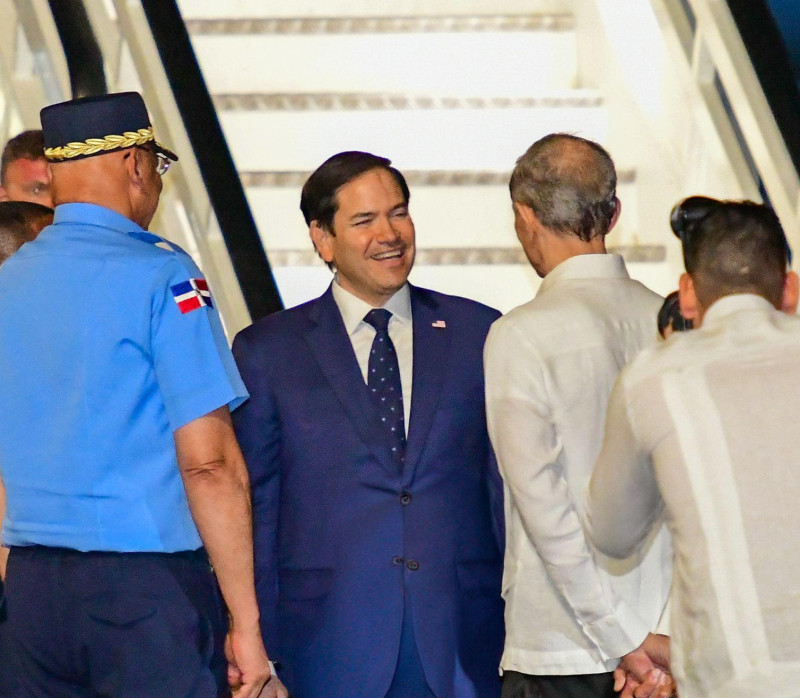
(550,365)
(401,332)
(707,426)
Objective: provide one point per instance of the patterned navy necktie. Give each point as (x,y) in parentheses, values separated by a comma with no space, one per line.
(383,382)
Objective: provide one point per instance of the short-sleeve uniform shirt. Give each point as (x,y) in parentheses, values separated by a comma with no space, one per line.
(108,344)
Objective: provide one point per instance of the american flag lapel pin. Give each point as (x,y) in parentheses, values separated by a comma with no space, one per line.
(439,324)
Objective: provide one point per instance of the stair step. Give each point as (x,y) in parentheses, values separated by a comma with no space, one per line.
(435,61)
(263,101)
(428,178)
(248,9)
(470,256)
(380,25)
(467,139)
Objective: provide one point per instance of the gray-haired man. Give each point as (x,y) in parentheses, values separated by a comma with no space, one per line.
(550,364)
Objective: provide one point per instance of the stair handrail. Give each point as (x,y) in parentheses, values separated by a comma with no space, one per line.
(728,80)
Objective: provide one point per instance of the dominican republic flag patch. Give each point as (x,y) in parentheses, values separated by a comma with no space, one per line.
(191,295)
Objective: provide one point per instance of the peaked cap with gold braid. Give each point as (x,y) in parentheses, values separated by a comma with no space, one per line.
(91,126)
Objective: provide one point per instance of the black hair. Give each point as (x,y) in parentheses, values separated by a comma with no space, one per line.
(318,199)
(738,247)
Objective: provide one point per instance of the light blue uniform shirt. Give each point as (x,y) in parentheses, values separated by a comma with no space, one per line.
(98,367)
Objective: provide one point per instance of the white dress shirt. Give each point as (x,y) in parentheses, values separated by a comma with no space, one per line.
(550,365)
(401,332)
(708,426)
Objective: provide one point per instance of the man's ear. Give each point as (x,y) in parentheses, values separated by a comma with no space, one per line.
(791,293)
(322,241)
(687,298)
(615,217)
(526,213)
(525,222)
(135,164)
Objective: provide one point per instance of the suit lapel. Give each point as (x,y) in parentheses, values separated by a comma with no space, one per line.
(333,351)
(431,356)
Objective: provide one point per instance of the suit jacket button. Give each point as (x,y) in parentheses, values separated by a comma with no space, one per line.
(397,560)
(405,499)
(413,565)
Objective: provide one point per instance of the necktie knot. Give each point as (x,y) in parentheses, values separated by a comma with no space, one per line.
(379,319)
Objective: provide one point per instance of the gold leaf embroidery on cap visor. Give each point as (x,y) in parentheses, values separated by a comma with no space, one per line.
(92,146)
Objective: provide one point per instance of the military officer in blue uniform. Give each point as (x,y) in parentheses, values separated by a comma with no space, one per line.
(123,477)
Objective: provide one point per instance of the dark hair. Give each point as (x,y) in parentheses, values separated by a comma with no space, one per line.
(669,315)
(28,144)
(569,183)
(318,199)
(20,222)
(738,247)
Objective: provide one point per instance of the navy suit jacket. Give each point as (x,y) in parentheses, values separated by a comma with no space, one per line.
(341,533)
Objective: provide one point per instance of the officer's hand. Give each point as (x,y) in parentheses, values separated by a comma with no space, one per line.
(248,666)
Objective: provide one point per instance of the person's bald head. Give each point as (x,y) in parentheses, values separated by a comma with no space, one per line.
(569,183)
(21,222)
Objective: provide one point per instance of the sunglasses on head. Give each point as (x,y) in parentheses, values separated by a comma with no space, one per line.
(687,214)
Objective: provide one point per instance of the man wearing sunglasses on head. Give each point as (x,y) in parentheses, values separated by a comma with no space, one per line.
(704,428)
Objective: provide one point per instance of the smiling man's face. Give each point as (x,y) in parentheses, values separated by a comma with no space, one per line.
(372,241)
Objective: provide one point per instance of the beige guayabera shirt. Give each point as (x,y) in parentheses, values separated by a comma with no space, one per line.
(708,426)
(550,365)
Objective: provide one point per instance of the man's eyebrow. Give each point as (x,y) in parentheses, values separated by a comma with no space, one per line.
(362,214)
(372,214)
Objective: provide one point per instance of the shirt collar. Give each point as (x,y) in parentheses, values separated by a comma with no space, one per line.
(353,309)
(92,214)
(586,266)
(735,303)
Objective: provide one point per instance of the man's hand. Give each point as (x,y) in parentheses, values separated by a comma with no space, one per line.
(643,673)
(274,689)
(248,667)
(657,648)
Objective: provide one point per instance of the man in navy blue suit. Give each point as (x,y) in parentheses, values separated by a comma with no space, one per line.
(377,503)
